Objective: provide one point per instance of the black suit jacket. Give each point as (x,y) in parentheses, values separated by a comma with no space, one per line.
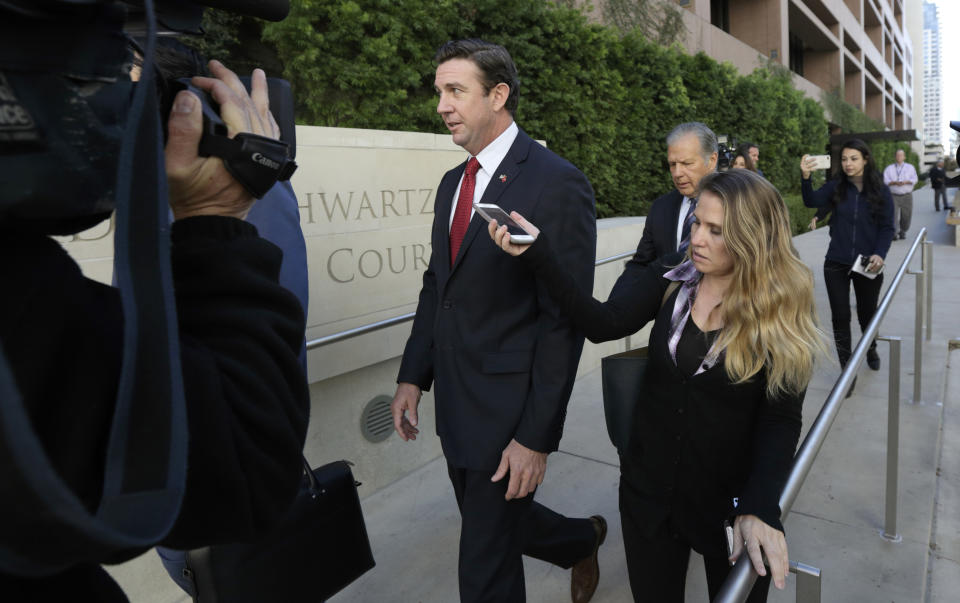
(659,236)
(489,337)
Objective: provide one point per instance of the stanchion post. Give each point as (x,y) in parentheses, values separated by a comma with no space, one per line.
(928,276)
(917,336)
(893,441)
(808,582)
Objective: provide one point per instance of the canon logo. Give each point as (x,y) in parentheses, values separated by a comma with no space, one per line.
(259,158)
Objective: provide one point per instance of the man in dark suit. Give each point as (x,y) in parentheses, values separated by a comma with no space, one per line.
(938,179)
(494,343)
(691,154)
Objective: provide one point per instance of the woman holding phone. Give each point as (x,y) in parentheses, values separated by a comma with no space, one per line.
(730,355)
(861,227)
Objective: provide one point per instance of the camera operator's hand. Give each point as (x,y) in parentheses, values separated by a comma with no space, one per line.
(201,186)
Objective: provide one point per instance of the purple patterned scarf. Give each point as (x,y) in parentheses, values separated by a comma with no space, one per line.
(690,277)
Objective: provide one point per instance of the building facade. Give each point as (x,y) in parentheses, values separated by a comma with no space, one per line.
(932,99)
(859,49)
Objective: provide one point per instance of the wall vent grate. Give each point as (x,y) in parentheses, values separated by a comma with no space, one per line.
(376,421)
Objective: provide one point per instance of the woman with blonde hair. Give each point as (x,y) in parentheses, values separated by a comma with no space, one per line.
(730,354)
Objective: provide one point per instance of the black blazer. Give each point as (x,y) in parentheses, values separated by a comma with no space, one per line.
(700,442)
(659,235)
(491,339)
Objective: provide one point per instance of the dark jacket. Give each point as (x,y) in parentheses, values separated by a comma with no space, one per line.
(493,342)
(937,177)
(659,236)
(853,228)
(240,335)
(699,442)
(659,230)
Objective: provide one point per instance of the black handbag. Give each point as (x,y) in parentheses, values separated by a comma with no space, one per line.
(622,377)
(318,548)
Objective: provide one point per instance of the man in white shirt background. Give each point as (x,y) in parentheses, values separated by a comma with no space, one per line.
(901,177)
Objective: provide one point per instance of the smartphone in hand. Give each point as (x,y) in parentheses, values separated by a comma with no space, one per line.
(821,162)
(492,211)
(728,534)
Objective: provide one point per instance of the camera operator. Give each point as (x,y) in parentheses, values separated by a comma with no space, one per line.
(240,334)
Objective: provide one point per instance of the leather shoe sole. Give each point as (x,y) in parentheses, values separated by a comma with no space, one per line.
(585,575)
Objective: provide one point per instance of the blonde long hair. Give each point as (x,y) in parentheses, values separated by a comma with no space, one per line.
(769,316)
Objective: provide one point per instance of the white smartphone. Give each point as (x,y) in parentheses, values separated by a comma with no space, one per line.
(492,211)
(821,162)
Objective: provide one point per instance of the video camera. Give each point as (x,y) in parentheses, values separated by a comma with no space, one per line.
(78,139)
(955,181)
(726,151)
(65,100)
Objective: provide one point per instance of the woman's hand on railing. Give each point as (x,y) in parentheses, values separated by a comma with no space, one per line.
(751,531)
(501,237)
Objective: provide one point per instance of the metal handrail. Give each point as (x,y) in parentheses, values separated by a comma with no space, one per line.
(396,320)
(737,586)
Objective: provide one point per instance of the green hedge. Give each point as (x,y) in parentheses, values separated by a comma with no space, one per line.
(601,98)
(799,214)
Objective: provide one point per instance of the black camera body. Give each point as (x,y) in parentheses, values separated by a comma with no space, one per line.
(64,76)
(955,181)
(726,151)
(79,139)
(256,162)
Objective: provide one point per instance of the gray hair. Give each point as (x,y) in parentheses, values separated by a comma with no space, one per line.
(708,140)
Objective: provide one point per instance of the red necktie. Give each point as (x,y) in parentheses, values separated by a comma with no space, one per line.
(461,218)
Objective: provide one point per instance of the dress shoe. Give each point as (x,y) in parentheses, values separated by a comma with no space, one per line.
(585,575)
(852,385)
(873,359)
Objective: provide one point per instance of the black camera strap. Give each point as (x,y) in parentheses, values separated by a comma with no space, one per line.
(257,162)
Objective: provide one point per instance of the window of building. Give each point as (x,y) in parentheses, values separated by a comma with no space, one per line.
(796,54)
(720,14)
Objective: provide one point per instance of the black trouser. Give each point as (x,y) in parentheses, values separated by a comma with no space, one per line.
(658,566)
(495,533)
(837,277)
(937,193)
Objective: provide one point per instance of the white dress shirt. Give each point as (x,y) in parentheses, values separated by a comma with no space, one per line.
(900,172)
(490,159)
